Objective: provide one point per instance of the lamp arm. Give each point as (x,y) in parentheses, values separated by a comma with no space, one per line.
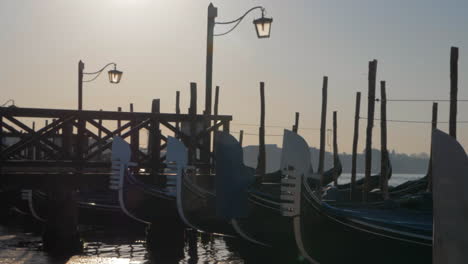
(98,72)
(242,17)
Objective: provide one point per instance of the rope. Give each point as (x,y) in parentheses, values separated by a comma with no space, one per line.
(416,121)
(422,100)
(277,126)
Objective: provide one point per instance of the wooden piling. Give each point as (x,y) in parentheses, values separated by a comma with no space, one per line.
(383,140)
(177,110)
(134,137)
(155,143)
(192,113)
(433,127)
(295,127)
(370,124)
(355,144)
(119,122)
(61,230)
(100,137)
(453,91)
(261,165)
(323,127)
(241,137)
(335,147)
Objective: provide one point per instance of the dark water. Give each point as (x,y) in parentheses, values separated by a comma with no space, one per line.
(18,246)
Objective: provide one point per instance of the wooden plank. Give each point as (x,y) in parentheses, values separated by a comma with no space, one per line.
(105,115)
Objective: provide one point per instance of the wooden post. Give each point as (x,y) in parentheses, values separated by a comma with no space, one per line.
(383,140)
(335,147)
(119,122)
(134,137)
(433,127)
(241,137)
(261,164)
(61,230)
(355,144)
(323,127)
(295,127)
(453,91)
(370,125)
(192,113)
(100,137)
(155,140)
(177,109)
(215,110)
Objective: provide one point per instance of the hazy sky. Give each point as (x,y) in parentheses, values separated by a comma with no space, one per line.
(161,47)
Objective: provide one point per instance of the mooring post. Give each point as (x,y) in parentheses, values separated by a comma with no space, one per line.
(241,137)
(323,127)
(355,144)
(261,165)
(119,122)
(155,141)
(100,137)
(383,140)
(453,91)
(335,147)
(61,234)
(295,127)
(134,137)
(177,110)
(193,115)
(370,124)
(433,127)
(215,112)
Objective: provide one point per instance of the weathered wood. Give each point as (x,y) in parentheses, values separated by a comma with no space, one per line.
(355,144)
(106,115)
(192,112)
(155,138)
(323,126)
(119,122)
(433,127)
(216,101)
(134,138)
(370,124)
(177,109)
(295,127)
(100,137)
(261,164)
(383,141)
(335,146)
(241,137)
(453,91)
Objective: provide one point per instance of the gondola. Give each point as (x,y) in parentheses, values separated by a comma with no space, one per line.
(362,233)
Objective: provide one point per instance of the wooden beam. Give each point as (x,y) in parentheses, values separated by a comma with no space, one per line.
(453,91)
(323,126)
(241,137)
(261,164)
(370,124)
(335,147)
(383,140)
(433,127)
(177,109)
(355,144)
(295,127)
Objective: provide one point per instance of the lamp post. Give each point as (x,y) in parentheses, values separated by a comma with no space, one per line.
(262,27)
(114,77)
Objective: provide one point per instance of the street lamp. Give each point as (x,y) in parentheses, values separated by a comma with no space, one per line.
(114,77)
(262,27)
